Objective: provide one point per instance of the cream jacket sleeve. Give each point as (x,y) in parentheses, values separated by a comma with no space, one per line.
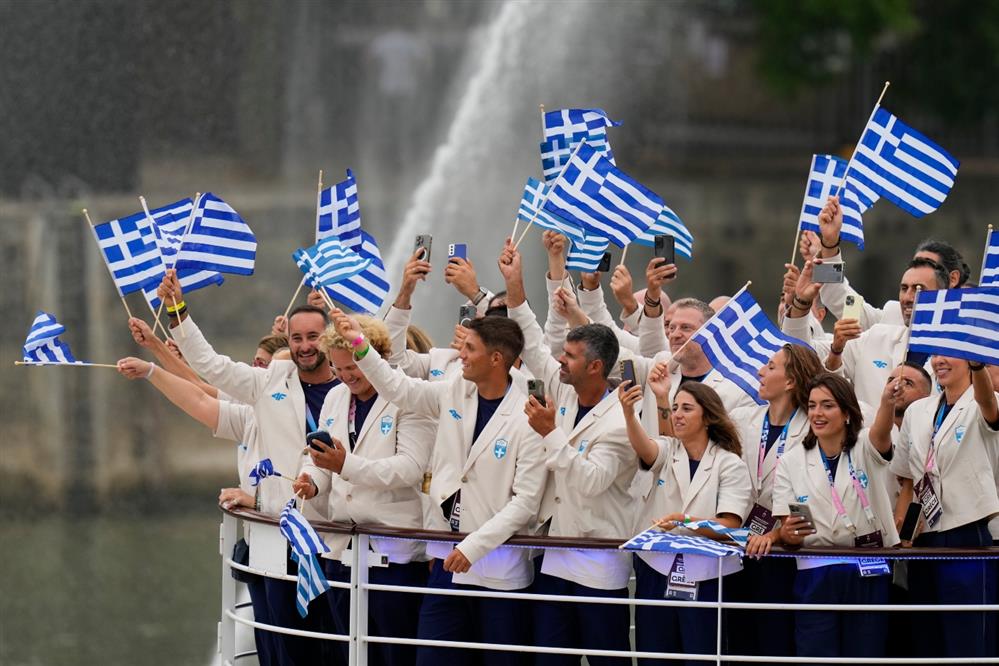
(416,395)
(241,381)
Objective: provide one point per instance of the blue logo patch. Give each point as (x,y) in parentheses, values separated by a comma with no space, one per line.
(279,395)
(959,433)
(561,411)
(881,364)
(454,414)
(329,422)
(661,482)
(862,477)
(499,449)
(386,425)
(436,372)
(802,498)
(582,445)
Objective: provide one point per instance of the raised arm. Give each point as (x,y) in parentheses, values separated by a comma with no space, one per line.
(197,404)
(880,431)
(644,446)
(144,337)
(985,394)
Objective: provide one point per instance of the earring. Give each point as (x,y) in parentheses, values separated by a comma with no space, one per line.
(848,421)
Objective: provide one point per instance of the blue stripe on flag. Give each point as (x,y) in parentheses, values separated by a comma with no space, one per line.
(669,223)
(962,323)
(586,256)
(219,240)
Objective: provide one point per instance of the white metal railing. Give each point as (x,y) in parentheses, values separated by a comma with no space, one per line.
(358,638)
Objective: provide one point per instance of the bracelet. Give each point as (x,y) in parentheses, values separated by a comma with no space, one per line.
(800,304)
(479,296)
(975,367)
(179,306)
(357,341)
(828,247)
(653,303)
(177,313)
(686,518)
(834,351)
(152,366)
(256,499)
(358,355)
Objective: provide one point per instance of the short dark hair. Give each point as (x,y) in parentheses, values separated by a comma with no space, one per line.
(309,308)
(950,258)
(941,274)
(922,371)
(600,343)
(500,334)
(844,395)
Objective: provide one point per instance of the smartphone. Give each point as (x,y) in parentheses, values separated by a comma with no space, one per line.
(853,306)
(466,313)
(909,523)
(322,436)
(665,248)
(827,273)
(604,264)
(457,251)
(424,241)
(628,372)
(803,510)
(536,387)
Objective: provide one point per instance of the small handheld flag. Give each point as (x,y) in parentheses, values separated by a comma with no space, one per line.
(657,541)
(564,129)
(963,323)
(586,256)
(824,180)
(329,262)
(261,471)
(990,260)
(669,223)
(42,344)
(534,195)
(218,240)
(306,544)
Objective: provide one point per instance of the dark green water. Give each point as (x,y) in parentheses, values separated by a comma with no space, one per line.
(109,590)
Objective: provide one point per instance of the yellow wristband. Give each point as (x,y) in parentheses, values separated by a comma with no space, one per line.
(179,306)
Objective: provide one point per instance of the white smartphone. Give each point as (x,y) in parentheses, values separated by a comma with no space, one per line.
(853,306)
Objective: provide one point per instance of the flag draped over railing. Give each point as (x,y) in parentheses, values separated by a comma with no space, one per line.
(657,541)
(824,180)
(43,345)
(963,323)
(306,544)
(739,340)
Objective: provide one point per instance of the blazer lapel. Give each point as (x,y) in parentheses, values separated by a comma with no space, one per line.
(947,427)
(681,469)
(374,416)
(297,396)
(489,432)
(593,415)
(701,475)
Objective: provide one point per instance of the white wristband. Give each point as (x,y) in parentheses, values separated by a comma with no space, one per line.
(152,366)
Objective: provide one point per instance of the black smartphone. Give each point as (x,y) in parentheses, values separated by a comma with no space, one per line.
(665,248)
(909,523)
(827,273)
(322,436)
(466,313)
(628,372)
(536,387)
(604,264)
(424,241)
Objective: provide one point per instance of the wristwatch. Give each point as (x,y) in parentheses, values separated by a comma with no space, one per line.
(479,296)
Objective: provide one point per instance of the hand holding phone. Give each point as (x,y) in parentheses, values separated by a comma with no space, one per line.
(605,263)
(628,372)
(322,436)
(457,251)
(827,273)
(665,248)
(424,241)
(536,387)
(466,313)
(853,306)
(908,529)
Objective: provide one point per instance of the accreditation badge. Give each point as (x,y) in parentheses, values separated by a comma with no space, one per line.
(928,499)
(871,566)
(677,585)
(760,521)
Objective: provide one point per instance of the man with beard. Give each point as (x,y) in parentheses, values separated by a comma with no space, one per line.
(286,398)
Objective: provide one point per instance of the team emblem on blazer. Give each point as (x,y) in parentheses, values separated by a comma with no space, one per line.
(279,395)
(386,425)
(959,433)
(436,372)
(454,414)
(862,477)
(582,445)
(499,449)
(802,498)
(881,364)
(329,422)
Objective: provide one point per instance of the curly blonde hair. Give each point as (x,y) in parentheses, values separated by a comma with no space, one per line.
(374,330)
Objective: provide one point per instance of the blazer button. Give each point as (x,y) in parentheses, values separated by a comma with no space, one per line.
(443,497)
(349,498)
(558,500)
(464,479)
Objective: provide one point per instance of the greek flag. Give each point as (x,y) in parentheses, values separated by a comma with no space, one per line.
(565,129)
(824,180)
(169,224)
(597,196)
(328,262)
(305,545)
(534,193)
(340,212)
(740,535)
(669,223)
(963,323)
(129,247)
(42,344)
(586,256)
(656,540)
(990,263)
(261,471)
(900,164)
(219,240)
(340,216)
(739,340)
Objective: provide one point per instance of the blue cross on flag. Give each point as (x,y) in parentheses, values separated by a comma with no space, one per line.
(963,323)
(824,180)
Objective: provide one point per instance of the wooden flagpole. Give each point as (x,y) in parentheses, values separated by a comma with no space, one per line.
(90,224)
(156,313)
(545,200)
(985,254)
(715,316)
(319,194)
(187,229)
(81,364)
(624,253)
(854,155)
(908,334)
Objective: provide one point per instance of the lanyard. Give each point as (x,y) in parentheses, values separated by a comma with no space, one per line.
(937,422)
(351,416)
(857,487)
(764,436)
(310,420)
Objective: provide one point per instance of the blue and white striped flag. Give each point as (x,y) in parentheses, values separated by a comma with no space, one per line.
(602,199)
(169,224)
(565,129)
(669,223)
(586,256)
(42,344)
(658,541)
(900,164)
(306,544)
(261,471)
(740,535)
(990,262)
(329,262)
(534,193)
(340,216)
(129,248)
(739,340)
(219,240)
(963,323)
(824,180)
(340,212)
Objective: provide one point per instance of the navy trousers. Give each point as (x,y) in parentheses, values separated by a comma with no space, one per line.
(472,619)
(389,614)
(295,650)
(754,632)
(264,639)
(840,633)
(957,634)
(565,624)
(665,629)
